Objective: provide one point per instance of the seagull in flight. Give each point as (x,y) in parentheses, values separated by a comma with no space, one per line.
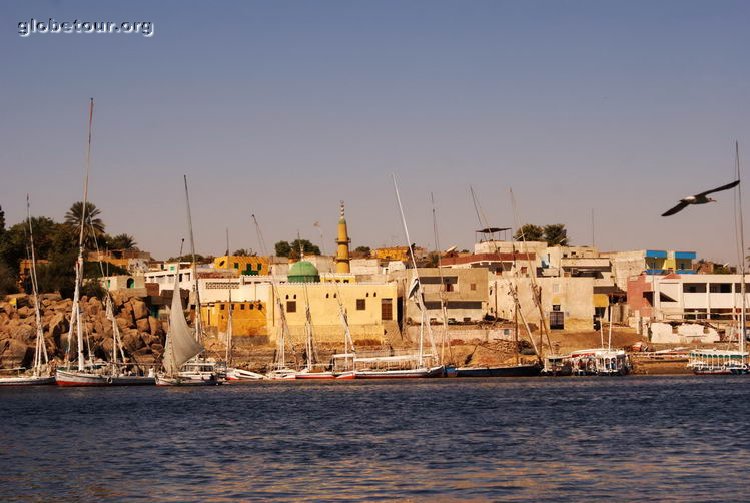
(698,198)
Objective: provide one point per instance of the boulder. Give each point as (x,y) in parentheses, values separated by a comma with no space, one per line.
(143,326)
(13,353)
(126,313)
(93,307)
(23,333)
(154,326)
(140,311)
(58,325)
(25,312)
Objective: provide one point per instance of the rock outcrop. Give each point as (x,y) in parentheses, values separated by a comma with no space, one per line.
(142,335)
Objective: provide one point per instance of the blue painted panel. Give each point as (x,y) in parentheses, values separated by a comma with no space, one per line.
(685,255)
(656,254)
(685,271)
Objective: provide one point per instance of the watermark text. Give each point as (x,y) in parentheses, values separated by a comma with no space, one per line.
(27,28)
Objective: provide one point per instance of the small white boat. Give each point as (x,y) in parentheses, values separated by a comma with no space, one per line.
(235,374)
(23,379)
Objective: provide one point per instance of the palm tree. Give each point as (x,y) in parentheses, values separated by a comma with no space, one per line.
(122,242)
(74,217)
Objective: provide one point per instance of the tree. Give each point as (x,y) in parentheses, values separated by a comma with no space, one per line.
(74,217)
(529,232)
(2,220)
(361,252)
(121,242)
(556,235)
(282,248)
(242,252)
(291,250)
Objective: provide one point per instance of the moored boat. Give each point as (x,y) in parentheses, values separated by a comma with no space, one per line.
(522,370)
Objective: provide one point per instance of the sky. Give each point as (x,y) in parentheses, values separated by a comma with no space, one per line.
(597,115)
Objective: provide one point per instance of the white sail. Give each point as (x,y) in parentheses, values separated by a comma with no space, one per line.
(180,345)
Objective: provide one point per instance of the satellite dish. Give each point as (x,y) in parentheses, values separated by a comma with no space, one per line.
(451,249)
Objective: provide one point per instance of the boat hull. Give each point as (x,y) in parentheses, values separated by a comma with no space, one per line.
(187,381)
(500,371)
(239,375)
(26,381)
(400,374)
(75,378)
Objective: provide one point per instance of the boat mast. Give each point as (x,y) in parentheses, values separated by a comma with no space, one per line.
(743,288)
(40,351)
(229,333)
(442,283)
(75,320)
(280,356)
(194,273)
(420,301)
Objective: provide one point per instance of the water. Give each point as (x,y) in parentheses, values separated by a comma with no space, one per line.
(634,438)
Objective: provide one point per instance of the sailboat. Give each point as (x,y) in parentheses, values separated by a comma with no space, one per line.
(180,367)
(40,372)
(729,361)
(234,374)
(90,373)
(407,365)
(517,369)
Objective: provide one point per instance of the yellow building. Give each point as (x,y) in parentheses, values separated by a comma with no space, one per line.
(246,266)
(248,318)
(391,254)
(370,310)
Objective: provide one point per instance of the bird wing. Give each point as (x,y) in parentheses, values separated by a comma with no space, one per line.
(672,211)
(717,189)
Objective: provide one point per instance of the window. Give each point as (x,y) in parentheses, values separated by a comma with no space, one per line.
(236,265)
(473,287)
(449,287)
(250,306)
(556,319)
(221,307)
(374,294)
(360,304)
(720,287)
(242,307)
(387,309)
(694,288)
(291,306)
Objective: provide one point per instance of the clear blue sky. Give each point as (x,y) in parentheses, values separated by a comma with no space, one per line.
(282,108)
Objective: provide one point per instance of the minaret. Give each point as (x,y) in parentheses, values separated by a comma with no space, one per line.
(342,245)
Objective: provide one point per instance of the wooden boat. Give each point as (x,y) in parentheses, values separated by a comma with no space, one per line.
(40,371)
(728,361)
(101,376)
(522,370)
(180,367)
(718,362)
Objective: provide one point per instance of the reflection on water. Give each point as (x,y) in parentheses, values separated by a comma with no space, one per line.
(638,438)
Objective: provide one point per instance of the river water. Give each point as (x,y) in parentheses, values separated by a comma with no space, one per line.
(544,439)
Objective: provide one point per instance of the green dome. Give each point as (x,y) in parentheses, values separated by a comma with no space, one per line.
(303,272)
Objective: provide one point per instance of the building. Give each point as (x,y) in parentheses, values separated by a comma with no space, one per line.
(245,266)
(465,293)
(631,264)
(686,297)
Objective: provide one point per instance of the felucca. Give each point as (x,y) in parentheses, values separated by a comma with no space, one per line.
(180,367)
(729,361)
(90,373)
(40,372)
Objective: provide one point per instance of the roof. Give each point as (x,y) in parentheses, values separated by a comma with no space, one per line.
(303,271)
